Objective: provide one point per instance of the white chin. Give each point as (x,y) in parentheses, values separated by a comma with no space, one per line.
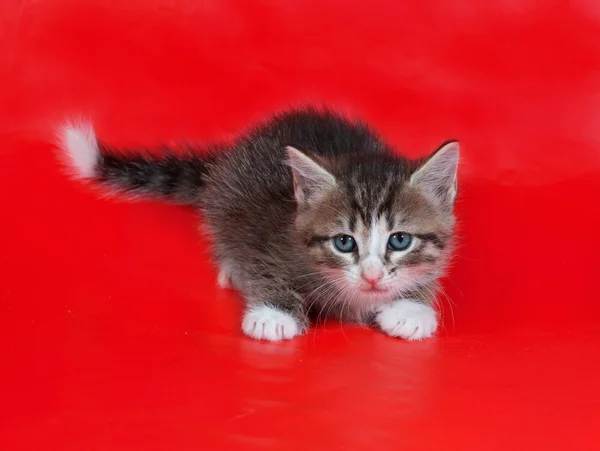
(374,297)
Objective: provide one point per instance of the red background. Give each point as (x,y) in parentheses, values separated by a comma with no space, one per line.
(114,335)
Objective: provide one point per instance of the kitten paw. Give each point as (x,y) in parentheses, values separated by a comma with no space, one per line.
(271,324)
(225,277)
(407,319)
(224,280)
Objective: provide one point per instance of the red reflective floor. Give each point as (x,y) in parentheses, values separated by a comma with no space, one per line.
(114,334)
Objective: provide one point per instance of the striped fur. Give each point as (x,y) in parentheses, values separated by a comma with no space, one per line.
(275,200)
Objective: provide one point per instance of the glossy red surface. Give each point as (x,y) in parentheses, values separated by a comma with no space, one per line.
(114,335)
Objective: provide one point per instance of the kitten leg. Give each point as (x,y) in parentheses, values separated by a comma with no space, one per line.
(408,319)
(224,281)
(225,277)
(276,317)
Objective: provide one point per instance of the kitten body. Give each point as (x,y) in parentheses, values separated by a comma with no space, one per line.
(310,214)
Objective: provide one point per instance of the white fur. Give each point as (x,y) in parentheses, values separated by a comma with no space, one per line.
(378,236)
(268,323)
(78,142)
(407,319)
(224,279)
(372,266)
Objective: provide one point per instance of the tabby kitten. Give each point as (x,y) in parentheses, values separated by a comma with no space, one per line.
(311,214)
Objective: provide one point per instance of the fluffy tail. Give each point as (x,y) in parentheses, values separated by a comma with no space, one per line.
(174,176)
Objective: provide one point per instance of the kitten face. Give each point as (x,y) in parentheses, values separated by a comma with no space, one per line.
(374,228)
(398,250)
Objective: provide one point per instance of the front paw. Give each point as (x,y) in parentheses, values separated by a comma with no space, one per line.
(268,323)
(407,319)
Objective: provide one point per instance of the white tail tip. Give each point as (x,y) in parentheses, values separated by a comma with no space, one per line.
(78,142)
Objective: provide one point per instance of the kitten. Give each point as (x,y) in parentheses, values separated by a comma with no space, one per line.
(310,214)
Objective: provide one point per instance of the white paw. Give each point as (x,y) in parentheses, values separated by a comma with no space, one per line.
(407,319)
(268,323)
(224,280)
(225,277)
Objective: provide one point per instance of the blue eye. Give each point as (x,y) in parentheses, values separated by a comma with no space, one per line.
(399,241)
(344,243)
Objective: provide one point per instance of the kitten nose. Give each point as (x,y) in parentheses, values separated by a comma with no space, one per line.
(373,275)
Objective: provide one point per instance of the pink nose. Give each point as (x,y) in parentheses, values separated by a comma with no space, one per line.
(372,277)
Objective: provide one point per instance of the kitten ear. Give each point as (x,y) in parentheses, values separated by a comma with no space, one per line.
(437,177)
(311,180)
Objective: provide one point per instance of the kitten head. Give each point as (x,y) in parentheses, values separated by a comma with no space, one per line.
(376,226)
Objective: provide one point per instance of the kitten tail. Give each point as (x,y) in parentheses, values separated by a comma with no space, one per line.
(78,142)
(176,176)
